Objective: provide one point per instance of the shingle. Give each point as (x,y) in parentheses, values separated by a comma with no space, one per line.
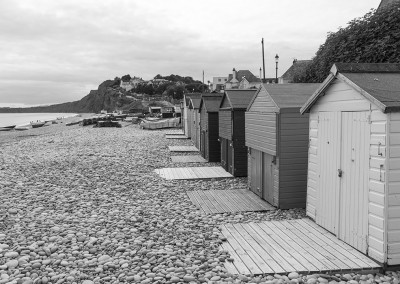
(385,87)
(290,95)
(212,102)
(240,99)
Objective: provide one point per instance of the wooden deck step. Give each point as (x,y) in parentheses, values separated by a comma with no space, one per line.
(188,159)
(221,201)
(193,173)
(174,132)
(183,149)
(176,136)
(290,245)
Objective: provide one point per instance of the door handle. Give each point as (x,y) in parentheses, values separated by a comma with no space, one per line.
(340,173)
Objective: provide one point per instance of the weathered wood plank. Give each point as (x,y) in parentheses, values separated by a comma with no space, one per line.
(356,256)
(244,255)
(193,173)
(183,149)
(176,136)
(249,249)
(188,159)
(233,201)
(290,245)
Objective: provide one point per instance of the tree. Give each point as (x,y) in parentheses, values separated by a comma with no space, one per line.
(373,38)
(126,78)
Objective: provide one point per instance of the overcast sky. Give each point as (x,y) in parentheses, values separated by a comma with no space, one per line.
(57,51)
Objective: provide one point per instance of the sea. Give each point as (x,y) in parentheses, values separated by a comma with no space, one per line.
(19,119)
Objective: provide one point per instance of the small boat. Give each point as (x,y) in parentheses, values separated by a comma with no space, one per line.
(21,128)
(37,124)
(7,128)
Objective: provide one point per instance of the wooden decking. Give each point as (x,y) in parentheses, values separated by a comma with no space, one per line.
(176,136)
(188,159)
(221,201)
(174,132)
(293,245)
(183,149)
(193,173)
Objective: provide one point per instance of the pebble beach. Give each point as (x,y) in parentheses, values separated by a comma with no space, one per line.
(84,205)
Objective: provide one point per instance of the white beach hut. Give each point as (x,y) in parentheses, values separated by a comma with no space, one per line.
(353,187)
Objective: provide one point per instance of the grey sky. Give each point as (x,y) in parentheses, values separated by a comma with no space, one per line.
(57,51)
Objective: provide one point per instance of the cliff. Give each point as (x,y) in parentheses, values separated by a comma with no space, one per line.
(108,96)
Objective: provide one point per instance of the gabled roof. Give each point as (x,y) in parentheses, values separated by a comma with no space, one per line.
(211,102)
(297,67)
(195,103)
(191,95)
(377,82)
(244,73)
(238,98)
(288,95)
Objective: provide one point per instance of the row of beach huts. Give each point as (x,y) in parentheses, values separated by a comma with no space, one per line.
(332,148)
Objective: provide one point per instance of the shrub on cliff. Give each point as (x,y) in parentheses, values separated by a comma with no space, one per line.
(373,38)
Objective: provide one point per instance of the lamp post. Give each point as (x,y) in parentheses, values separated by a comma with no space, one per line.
(276,64)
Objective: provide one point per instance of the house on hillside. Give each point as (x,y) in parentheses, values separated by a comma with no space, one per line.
(297,67)
(242,79)
(132,83)
(218,84)
(353,187)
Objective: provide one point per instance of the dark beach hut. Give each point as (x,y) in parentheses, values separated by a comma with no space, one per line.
(277,138)
(209,145)
(232,130)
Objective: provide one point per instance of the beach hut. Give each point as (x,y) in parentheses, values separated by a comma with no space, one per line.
(209,147)
(277,141)
(231,122)
(187,113)
(353,187)
(194,105)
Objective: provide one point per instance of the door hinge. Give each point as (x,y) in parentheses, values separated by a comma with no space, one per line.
(340,173)
(369,119)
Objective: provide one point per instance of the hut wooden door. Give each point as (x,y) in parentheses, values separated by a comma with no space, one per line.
(354,186)
(230,157)
(224,153)
(268,178)
(343,150)
(255,171)
(203,145)
(327,210)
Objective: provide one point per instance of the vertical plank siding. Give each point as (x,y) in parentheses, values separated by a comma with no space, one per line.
(239,144)
(189,122)
(353,200)
(225,124)
(324,187)
(293,159)
(393,178)
(203,131)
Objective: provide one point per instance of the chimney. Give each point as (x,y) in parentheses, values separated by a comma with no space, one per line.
(294,60)
(234,73)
